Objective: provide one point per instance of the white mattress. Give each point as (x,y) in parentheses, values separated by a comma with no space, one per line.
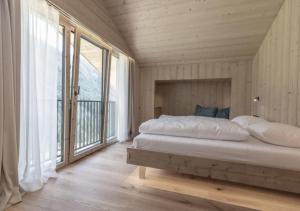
(252,151)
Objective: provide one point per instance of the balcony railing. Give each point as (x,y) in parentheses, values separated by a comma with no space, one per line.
(60,125)
(88,126)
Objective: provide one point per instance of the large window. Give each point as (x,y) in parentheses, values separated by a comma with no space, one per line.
(81,93)
(92,90)
(112,104)
(70,97)
(89,101)
(60,97)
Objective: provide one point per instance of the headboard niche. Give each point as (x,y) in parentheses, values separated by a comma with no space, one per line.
(180,97)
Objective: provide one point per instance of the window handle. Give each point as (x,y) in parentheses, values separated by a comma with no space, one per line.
(77,92)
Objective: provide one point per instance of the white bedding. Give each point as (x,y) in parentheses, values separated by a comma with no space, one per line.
(276,133)
(195,127)
(252,151)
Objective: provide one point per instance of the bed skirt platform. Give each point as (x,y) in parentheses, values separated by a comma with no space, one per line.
(271,178)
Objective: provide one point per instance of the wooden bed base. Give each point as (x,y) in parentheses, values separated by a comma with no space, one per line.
(272,178)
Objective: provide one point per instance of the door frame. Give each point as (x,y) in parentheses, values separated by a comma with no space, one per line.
(68,28)
(81,33)
(70,102)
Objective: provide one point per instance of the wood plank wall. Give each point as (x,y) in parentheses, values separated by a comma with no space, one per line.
(239,71)
(276,68)
(180,98)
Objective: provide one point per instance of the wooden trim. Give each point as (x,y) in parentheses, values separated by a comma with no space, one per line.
(67,101)
(66,22)
(74,157)
(87,153)
(67,98)
(67,105)
(266,177)
(189,62)
(84,31)
(81,33)
(94,38)
(74,97)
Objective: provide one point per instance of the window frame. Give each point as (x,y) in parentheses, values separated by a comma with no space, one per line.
(69,130)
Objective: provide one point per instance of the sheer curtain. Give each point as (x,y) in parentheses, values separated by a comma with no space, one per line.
(122,98)
(39,63)
(9,101)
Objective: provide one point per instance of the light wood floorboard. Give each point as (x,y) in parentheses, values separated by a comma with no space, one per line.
(103,181)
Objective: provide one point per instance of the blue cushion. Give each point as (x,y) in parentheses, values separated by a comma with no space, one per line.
(223,113)
(206,111)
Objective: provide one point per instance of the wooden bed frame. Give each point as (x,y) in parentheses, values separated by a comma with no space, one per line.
(272,178)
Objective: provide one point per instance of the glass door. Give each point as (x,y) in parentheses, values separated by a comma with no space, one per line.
(88,96)
(60,97)
(82,93)
(112,116)
(66,40)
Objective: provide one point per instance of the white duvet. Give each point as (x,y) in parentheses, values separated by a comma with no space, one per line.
(195,127)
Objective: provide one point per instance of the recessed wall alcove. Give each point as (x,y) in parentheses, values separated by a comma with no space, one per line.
(180,97)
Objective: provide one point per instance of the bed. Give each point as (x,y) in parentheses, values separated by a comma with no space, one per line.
(251,162)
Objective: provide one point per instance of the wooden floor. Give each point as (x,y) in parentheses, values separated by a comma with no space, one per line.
(103,181)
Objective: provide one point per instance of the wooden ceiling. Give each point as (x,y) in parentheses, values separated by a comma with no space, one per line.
(164,31)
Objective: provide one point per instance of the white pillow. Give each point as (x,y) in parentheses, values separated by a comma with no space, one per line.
(276,133)
(246,121)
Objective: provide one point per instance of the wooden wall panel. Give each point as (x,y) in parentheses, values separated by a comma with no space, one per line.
(236,70)
(276,68)
(181,97)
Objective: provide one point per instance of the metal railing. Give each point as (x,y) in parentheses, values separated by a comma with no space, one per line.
(88,126)
(60,129)
(111,121)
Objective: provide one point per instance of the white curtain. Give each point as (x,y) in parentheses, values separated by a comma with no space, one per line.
(9,101)
(39,64)
(122,98)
